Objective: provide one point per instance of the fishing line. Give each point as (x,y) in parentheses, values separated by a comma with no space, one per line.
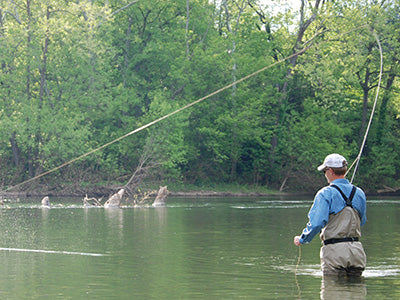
(357,160)
(180,109)
(160,119)
(295,274)
(51,252)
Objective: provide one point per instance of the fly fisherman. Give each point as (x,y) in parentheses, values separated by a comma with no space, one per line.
(338,212)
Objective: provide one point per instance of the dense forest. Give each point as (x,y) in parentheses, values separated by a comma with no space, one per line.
(77,77)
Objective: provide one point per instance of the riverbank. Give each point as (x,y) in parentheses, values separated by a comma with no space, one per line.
(173,191)
(107,192)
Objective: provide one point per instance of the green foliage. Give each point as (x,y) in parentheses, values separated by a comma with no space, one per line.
(76,75)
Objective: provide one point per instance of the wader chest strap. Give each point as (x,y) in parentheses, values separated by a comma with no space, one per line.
(348,200)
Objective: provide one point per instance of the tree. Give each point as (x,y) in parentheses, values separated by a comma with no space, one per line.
(54,47)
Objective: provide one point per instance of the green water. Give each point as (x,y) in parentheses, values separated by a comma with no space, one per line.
(214,248)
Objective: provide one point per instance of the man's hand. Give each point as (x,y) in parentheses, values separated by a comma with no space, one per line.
(296,240)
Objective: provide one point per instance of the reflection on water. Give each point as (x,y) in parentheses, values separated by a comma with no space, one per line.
(333,288)
(199,248)
(370,271)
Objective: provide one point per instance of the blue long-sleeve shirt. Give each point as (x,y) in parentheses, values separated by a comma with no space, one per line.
(328,201)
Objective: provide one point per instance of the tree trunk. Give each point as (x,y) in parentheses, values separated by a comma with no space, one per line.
(127,48)
(304,24)
(15,150)
(234,153)
(43,68)
(366,90)
(384,107)
(187,28)
(28,47)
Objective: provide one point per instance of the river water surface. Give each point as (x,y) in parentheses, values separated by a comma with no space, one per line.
(194,248)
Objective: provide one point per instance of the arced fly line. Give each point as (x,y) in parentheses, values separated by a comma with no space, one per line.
(159,119)
(357,160)
(179,110)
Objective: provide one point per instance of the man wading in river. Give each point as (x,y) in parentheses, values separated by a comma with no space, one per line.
(339,210)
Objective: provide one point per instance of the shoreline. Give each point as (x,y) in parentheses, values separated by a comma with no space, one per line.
(105,192)
(108,191)
(231,194)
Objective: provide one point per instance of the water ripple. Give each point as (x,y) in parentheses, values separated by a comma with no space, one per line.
(370,272)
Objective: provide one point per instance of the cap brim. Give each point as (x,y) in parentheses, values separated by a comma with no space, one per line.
(321,167)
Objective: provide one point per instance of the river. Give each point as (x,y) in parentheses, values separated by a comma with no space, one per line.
(194,248)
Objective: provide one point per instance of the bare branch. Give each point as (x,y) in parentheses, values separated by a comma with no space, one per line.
(16,18)
(123,8)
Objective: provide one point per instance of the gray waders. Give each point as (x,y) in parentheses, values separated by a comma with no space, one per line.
(342,254)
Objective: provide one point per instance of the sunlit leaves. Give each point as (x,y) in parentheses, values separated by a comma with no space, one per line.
(76,74)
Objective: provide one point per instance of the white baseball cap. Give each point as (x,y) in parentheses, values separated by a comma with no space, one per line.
(333,161)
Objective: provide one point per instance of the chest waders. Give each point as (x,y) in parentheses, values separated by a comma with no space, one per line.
(348,201)
(342,253)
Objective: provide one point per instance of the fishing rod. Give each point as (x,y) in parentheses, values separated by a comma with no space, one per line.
(357,160)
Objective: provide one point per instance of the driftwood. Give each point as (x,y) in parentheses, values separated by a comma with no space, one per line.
(151,158)
(388,189)
(91,201)
(144,198)
(115,199)
(46,202)
(161,198)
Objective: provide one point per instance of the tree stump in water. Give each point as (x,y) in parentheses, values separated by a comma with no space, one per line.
(161,198)
(115,200)
(46,202)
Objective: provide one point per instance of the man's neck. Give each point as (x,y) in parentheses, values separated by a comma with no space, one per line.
(334,177)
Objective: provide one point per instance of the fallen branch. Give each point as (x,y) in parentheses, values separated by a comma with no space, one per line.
(91,201)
